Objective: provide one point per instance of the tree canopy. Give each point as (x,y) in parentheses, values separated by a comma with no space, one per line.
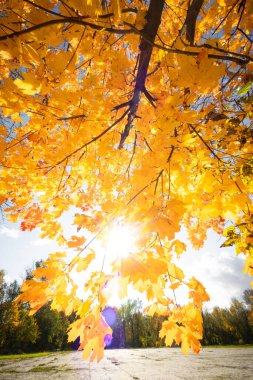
(125,112)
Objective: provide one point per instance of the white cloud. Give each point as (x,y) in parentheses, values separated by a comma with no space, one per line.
(40,242)
(221,273)
(9,232)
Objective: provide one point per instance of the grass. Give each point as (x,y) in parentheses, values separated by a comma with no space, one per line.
(43,368)
(25,356)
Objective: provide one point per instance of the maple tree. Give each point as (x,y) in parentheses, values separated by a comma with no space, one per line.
(136,112)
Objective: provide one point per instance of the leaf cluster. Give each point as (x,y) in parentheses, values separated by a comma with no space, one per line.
(136,113)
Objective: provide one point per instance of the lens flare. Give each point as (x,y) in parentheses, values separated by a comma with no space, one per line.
(108,340)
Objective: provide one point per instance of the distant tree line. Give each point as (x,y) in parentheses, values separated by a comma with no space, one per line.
(47,329)
(222,326)
(21,332)
(133,328)
(233,325)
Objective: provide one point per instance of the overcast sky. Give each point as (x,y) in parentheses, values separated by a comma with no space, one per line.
(219,269)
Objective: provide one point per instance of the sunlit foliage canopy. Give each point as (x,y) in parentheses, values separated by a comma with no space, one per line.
(133,112)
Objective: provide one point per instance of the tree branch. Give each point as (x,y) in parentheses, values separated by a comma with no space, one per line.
(191,18)
(132,30)
(145,187)
(150,98)
(203,141)
(65,20)
(72,117)
(248,38)
(210,47)
(230,57)
(222,21)
(87,143)
(149,33)
(43,8)
(132,157)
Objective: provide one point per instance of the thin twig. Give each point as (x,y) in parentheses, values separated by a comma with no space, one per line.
(150,98)
(241,5)
(72,117)
(132,156)
(75,50)
(88,143)
(146,142)
(245,58)
(70,20)
(43,8)
(19,141)
(63,171)
(201,138)
(145,187)
(248,38)
(230,79)
(171,152)
(222,21)
(122,105)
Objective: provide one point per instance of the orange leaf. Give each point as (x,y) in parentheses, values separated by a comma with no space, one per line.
(76,241)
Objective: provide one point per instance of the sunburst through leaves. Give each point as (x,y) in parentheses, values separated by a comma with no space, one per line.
(134,111)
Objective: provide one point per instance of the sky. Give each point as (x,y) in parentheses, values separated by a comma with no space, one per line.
(219,269)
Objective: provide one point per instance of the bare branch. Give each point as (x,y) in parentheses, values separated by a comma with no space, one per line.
(191,18)
(139,192)
(148,34)
(145,38)
(231,56)
(204,142)
(208,46)
(145,187)
(43,8)
(63,171)
(65,20)
(132,156)
(122,105)
(145,140)
(87,143)
(28,134)
(150,98)
(222,21)
(75,50)
(245,35)
(155,69)
(157,180)
(72,117)
(241,9)
(171,152)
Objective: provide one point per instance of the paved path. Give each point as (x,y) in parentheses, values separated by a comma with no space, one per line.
(139,364)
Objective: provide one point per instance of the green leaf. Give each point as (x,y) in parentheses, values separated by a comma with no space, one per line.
(245,88)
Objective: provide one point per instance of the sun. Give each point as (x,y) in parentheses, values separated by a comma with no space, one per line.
(121,241)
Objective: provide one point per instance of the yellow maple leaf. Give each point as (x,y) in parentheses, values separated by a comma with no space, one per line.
(185,345)
(178,246)
(76,241)
(30,85)
(83,262)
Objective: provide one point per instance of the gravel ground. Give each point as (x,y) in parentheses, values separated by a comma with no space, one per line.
(138,364)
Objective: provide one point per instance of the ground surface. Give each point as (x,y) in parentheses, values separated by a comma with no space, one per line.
(139,364)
